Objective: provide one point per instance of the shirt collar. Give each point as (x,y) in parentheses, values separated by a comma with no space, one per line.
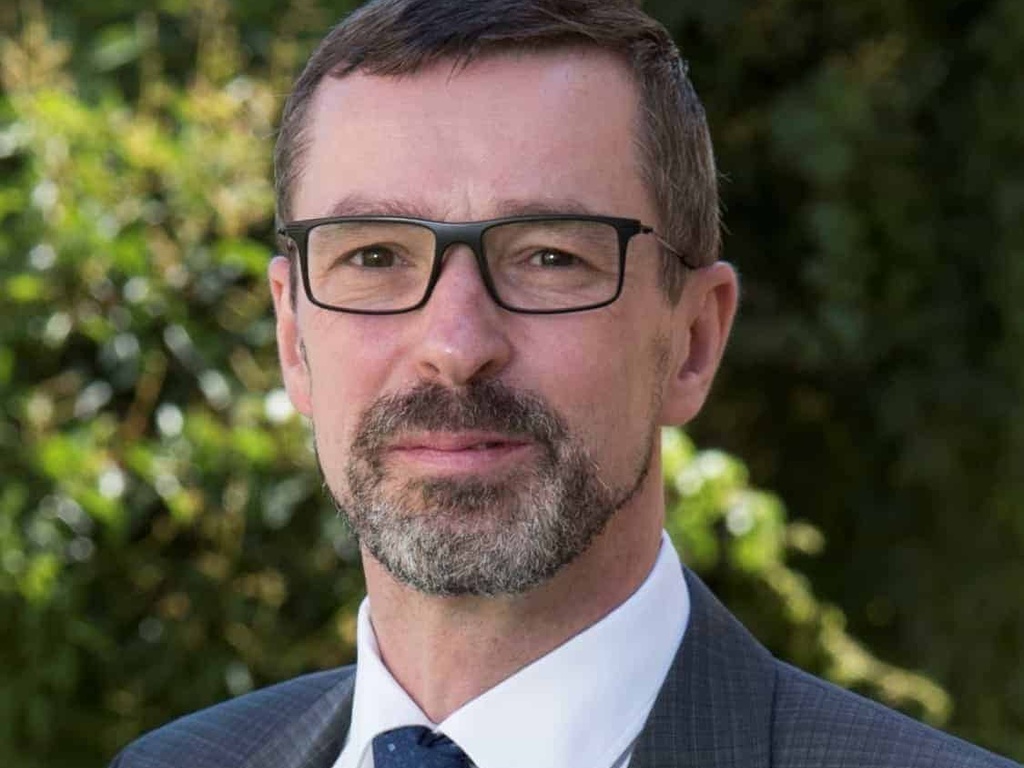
(580,706)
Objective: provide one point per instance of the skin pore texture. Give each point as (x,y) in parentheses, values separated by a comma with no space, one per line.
(457,424)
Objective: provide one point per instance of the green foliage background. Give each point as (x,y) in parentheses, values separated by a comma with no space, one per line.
(163,539)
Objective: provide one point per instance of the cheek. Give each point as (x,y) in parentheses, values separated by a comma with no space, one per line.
(603,384)
(349,364)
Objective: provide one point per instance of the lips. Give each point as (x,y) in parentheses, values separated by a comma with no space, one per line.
(449,453)
(458,441)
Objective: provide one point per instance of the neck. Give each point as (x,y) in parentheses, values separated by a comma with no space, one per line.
(446,651)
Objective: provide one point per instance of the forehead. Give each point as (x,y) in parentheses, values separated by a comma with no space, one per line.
(505,131)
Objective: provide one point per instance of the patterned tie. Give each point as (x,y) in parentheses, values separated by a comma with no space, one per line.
(414,746)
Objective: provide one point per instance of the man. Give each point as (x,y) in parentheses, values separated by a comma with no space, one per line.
(501,278)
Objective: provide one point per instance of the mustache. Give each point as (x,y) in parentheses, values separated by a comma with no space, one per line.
(486,406)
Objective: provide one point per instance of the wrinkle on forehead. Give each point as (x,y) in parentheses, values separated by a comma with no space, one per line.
(364,205)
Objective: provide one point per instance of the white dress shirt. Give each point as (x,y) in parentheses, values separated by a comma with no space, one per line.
(580,706)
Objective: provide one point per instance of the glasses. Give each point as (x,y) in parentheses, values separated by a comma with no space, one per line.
(384,265)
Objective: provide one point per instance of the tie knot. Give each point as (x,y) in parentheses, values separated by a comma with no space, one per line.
(414,746)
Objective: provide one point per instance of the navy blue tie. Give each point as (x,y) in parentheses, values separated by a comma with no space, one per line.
(414,746)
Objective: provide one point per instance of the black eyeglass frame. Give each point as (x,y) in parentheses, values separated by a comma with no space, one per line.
(471,234)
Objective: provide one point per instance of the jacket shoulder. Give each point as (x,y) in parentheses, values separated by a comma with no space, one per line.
(227,734)
(817,723)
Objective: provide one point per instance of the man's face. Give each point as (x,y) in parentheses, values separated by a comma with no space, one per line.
(476,450)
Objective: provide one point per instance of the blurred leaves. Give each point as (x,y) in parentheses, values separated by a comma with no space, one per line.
(738,536)
(873,154)
(156,548)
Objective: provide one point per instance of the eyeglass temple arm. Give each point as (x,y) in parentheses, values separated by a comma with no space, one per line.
(646,230)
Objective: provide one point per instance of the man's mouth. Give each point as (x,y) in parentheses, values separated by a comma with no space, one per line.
(454,452)
(455,441)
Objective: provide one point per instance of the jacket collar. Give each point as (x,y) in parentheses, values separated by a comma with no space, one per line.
(715,707)
(314,739)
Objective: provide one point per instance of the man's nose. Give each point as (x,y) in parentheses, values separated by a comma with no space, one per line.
(463,333)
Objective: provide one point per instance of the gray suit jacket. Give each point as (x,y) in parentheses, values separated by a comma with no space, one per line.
(725,704)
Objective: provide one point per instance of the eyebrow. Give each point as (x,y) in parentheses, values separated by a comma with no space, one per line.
(359,205)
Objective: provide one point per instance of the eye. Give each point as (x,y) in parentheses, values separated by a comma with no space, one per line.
(372,257)
(552,258)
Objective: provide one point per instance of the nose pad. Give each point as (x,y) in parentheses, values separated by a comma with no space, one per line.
(466,261)
(463,334)
(471,252)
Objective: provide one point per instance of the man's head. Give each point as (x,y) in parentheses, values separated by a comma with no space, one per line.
(474,448)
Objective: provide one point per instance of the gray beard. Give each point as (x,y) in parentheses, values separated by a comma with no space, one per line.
(468,536)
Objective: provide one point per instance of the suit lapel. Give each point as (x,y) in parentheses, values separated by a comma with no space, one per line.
(315,738)
(715,708)
(713,711)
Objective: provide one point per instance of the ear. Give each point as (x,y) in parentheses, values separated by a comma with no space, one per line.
(702,318)
(289,340)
